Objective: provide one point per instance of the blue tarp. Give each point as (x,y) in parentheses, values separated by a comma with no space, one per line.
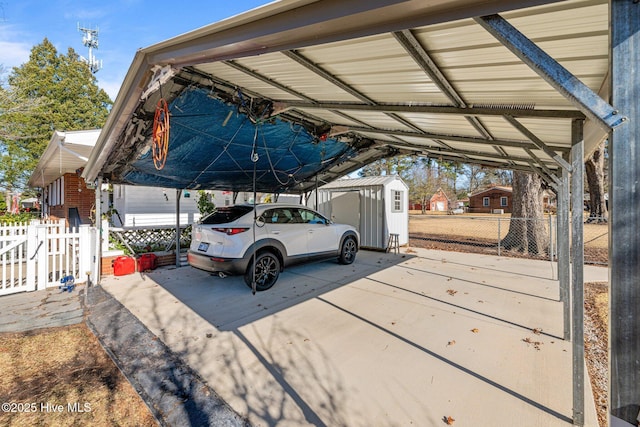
(211,143)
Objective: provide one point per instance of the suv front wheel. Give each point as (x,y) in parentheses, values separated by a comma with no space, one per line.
(267,270)
(348,250)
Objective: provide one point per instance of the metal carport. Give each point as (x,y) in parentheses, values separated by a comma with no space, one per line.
(516,85)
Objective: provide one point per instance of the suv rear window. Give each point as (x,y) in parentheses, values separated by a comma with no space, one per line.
(226,214)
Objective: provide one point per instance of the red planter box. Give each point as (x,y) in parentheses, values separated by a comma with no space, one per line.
(147,262)
(124,265)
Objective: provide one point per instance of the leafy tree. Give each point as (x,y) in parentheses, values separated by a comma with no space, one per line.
(50,91)
(205,202)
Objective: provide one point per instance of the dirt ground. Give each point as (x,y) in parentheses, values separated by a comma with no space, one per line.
(63,377)
(478,233)
(596,312)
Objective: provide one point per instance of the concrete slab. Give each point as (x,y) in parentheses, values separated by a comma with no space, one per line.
(404,339)
(48,308)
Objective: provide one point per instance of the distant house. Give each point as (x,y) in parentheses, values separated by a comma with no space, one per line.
(549,201)
(494,199)
(439,202)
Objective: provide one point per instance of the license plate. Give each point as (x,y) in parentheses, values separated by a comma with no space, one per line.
(203,247)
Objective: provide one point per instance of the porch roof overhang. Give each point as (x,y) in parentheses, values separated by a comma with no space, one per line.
(324,88)
(67,152)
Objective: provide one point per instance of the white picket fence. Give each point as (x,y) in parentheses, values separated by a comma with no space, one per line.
(36,256)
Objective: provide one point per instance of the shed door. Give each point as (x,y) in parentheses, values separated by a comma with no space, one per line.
(440,207)
(345,208)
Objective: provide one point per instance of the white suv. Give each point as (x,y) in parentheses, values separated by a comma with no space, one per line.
(223,242)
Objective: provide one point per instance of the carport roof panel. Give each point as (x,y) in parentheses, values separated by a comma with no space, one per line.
(347,51)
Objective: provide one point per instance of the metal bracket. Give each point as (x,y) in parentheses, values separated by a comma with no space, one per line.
(160,76)
(568,85)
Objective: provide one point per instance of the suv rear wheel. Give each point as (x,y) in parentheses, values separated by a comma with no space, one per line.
(267,270)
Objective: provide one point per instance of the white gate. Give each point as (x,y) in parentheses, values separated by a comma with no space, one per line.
(36,256)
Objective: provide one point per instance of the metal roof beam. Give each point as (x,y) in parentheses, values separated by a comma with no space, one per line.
(315,68)
(413,47)
(539,143)
(471,153)
(487,163)
(497,110)
(552,177)
(540,172)
(568,85)
(284,88)
(420,55)
(310,65)
(267,80)
(458,138)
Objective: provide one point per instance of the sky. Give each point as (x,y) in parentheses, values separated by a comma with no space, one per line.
(124,27)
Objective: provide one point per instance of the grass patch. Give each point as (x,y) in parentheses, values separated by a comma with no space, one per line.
(63,377)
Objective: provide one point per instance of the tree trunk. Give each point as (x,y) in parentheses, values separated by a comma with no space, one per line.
(594,168)
(527,232)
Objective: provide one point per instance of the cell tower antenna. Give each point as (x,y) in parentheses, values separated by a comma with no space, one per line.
(90,40)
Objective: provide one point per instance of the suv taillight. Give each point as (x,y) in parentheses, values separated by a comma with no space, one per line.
(231,231)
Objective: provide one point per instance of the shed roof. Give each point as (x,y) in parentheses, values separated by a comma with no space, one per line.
(323,88)
(368,181)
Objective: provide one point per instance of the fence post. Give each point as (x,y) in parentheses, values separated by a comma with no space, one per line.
(32,248)
(85,251)
(498,236)
(42,256)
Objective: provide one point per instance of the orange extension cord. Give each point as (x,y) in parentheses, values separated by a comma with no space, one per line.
(161,134)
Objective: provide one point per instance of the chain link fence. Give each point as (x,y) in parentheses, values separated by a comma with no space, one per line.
(503,236)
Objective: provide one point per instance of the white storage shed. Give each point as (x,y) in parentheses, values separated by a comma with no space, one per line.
(377,206)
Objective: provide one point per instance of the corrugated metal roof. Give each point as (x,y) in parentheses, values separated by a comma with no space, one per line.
(368,181)
(352,67)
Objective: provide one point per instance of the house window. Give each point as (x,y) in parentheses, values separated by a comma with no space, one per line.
(485,202)
(503,201)
(397,201)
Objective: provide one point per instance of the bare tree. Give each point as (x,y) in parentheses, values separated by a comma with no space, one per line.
(422,183)
(594,168)
(527,232)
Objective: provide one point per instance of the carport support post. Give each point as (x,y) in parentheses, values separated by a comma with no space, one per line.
(178,192)
(98,219)
(624,217)
(577,269)
(564,267)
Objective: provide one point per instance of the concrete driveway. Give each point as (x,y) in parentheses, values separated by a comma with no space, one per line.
(392,340)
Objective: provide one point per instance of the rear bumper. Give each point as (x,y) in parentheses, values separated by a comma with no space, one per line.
(217,265)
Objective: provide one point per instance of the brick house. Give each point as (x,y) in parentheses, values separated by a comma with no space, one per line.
(492,199)
(439,202)
(64,193)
